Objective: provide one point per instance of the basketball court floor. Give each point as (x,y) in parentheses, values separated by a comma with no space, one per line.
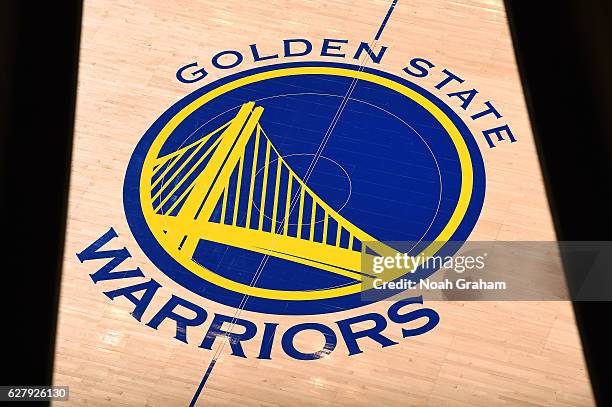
(230,160)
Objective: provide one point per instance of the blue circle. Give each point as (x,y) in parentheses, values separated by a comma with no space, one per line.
(403,168)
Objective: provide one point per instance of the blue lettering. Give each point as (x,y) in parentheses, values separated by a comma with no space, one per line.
(490,109)
(326,47)
(466,96)
(167,311)
(236,54)
(116,257)
(215,330)
(498,132)
(328,334)
(197,74)
(257,57)
(449,78)
(376,58)
(350,336)
(432,316)
(150,288)
(288,51)
(266,341)
(417,63)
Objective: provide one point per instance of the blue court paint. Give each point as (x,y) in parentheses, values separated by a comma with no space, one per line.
(385,20)
(337,195)
(203,381)
(394,152)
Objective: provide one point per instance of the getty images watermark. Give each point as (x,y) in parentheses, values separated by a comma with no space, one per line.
(486,271)
(386,267)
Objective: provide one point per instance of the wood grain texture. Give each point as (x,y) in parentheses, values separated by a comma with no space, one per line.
(481,354)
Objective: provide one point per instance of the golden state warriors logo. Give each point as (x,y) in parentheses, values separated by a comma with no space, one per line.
(263,189)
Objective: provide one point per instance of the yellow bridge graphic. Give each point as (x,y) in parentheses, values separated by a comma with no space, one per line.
(199,188)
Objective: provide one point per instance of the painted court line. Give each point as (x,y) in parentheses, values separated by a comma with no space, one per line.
(335,119)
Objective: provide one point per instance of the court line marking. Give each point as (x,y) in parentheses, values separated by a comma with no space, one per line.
(185,142)
(385,20)
(220,347)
